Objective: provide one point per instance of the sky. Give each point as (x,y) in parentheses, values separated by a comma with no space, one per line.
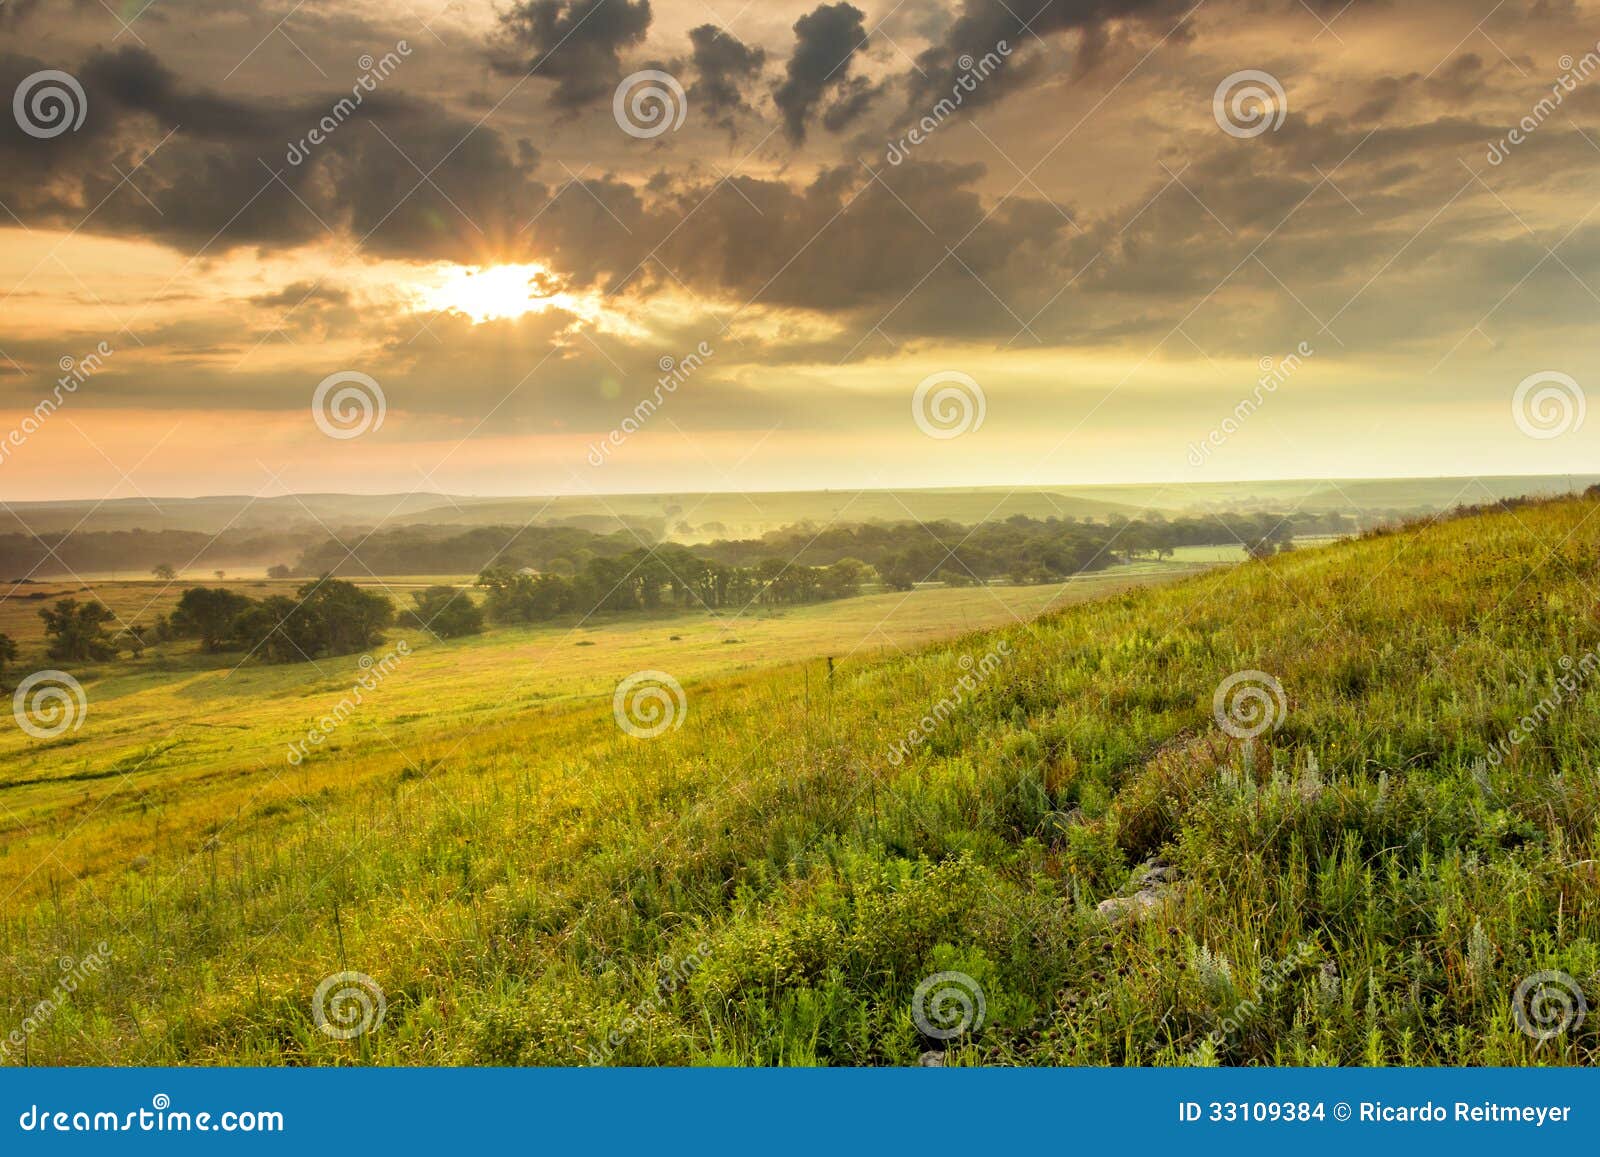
(602,246)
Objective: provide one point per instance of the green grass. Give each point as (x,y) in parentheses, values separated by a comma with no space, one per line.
(180,741)
(522,883)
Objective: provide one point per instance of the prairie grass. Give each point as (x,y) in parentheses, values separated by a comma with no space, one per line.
(1356,886)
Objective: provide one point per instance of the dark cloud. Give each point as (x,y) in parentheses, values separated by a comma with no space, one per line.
(576,43)
(726,68)
(397,172)
(984,25)
(826,42)
(855,95)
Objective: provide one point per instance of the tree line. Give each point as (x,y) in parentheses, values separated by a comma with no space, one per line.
(574,572)
(662,577)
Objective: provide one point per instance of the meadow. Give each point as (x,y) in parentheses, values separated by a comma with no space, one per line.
(1054,809)
(178,737)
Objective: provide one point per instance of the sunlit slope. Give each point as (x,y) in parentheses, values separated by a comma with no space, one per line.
(1348,887)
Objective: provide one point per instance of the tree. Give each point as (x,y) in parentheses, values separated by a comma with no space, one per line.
(447,612)
(221,574)
(326,617)
(209,613)
(77,631)
(279,571)
(335,617)
(164,572)
(8,655)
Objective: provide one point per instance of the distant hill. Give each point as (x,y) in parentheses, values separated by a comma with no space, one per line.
(688,516)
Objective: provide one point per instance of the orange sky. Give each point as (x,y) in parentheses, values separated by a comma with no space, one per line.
(1130,275)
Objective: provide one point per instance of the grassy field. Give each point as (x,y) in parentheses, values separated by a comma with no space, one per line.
(1053,814)
(176,739)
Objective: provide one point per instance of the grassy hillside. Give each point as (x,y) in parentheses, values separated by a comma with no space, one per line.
(771,882)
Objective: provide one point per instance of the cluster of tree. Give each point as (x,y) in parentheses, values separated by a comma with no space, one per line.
(660,577)
(446,612)
(326,617)
(1019,548)
(77,632)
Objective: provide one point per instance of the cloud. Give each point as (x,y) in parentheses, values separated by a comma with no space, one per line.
(399,173)
(726,67)
(576,43)
(984,24)
(826,42)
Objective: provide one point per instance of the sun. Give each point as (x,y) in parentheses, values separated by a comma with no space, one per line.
(484,293)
